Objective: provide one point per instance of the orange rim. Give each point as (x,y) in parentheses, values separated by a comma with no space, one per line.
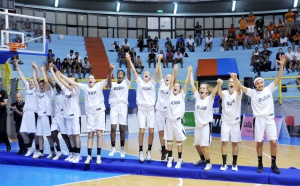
(15,46)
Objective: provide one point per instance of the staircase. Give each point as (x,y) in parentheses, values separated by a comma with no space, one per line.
(97,57)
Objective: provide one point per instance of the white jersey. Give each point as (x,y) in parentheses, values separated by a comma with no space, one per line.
(175,105)
(71,57)
(297,56)
(162,96)
(203,109)
(93,96)
(59,103)
(290,55)
(44,102)
(262,101)
(119,92)
(31,99)
(231,107)
(71,102)
(145,93)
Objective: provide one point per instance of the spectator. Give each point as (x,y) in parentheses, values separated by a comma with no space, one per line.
(283,40)
(76,68)
(169,58)
(79,58)
(116,46)
(57,63)
(230,41)
(139,65)
(256,40)
(178,58)
(293,32)
(251,21)
(275,39)
(155,44)
(168,44)
(240,41)
(49,58)
(271,28)
(86,67)
(38,32)
(232,30)
(280,26)
(266,38)
(48,34)
(297,60)
(296,39)
(2,25)
(267,64)
(190,44)
(18,39)
(290,59)
(163,56)
(141,43)
(126,46)
(243,25)
(198,35)
(278,55)
(224,42)
(70,57)
(250,41)
(27,26)
(208,33)
(149,43)
(121,55)
(180,44)
(132,54)
(255,56)
(65,67)
(208,43)
(265,53)
(260,24)
(257,65)
(298,18)
(152,59)
(289,19)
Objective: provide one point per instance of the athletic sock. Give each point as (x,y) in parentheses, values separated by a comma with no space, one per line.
(113,144)
(207,161)
(163,148)
(73,149)
(170,153)
(273,160)
(89,151)
(202,157)
(259,160)
(52,149)
(42,151)
(234,159)
(57,148)
(37,147)
(122,143)
(149,147)
(98,151)
(179,155)
(141,148)
(224,158)
(78,150)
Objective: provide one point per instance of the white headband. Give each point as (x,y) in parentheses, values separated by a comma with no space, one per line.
(256,79)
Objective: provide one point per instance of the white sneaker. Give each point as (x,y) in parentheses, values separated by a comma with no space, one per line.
(234,168)
(98,160)
(141,156)
(149,155)
(179,163)
(88,159)
(112,151)
(77,158)
(170,161)
(200,162)
(208,167)
(122,152)
(224,167)
(36,154)
(71,154)
(59,154)
(30,150)
(51,155)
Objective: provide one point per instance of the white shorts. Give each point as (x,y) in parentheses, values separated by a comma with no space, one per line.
(29,122)
(145,117)
(119,113)
(160,120)
(202,136)
(174,129)
(251,29)
(73,125)
(263,125)
(58,123)
(43,127)
(96,121)
(232,130)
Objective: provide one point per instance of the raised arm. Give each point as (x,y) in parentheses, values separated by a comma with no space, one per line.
(22,77)
(238,83)
(214,90)
(192,82)
(220,82)
(59,75)
(34,74)
(69,80)
(174,76)
(55,77)
(127,57)
(189,69)
(110,70)
(50,80)
(279,75)
(43,68)
(158,70)
(128,70)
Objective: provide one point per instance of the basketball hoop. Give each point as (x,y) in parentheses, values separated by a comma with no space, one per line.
(15,46)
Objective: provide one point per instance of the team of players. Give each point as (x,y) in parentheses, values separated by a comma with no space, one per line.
(170,109)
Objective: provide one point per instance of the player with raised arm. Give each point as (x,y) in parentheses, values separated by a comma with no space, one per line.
(118,100)
(231,117)
(145,99)
(161,107)
(95,111)
(175,113)
(203,118)
(262,104)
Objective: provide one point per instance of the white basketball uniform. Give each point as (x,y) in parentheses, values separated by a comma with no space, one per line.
(94,105)
(175,112)
(58,122)
(145,99)
(44,113)
(72,110)
(28,124)
(118,100)
(161,105)
(231,116)
(263,110)
(203,116)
